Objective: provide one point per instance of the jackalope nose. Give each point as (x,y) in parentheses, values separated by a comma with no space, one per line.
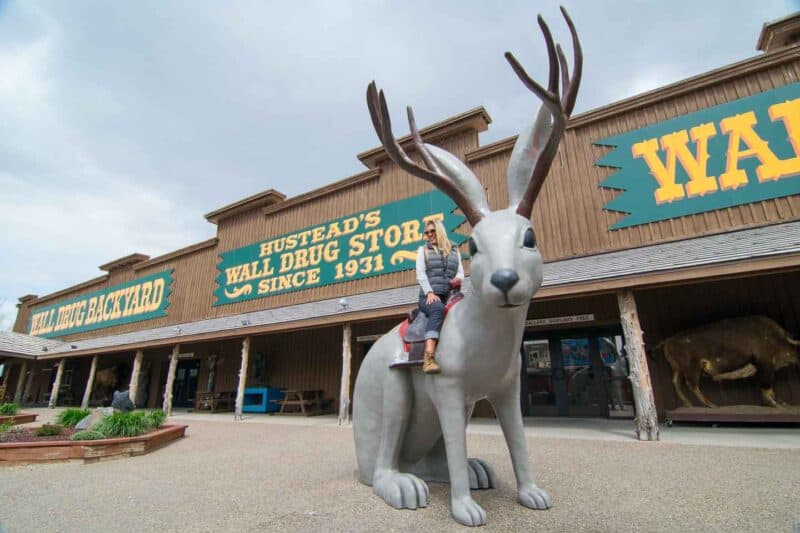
(504,279)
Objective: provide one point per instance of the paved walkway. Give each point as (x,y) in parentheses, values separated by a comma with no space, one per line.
(298,474)
(755,436)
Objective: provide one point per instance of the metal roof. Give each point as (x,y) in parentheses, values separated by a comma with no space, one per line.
(761,242)
(20,344)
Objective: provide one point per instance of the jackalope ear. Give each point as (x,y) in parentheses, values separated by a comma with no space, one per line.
(462,176)
(529,145)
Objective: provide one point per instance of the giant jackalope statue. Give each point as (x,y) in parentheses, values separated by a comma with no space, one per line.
(410,426)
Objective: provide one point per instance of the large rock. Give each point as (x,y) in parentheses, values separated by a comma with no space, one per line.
(122,401)
(94,417)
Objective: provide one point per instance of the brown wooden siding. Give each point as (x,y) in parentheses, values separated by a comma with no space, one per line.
(569,216)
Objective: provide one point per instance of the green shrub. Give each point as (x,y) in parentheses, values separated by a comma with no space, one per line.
(157,418)
(4,428)
(70,417)
(49,430)
(122,425)
(8,409)
(88,434)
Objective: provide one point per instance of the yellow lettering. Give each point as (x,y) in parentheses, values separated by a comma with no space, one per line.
(233,274)
(301,258)
(318,234)
(158,294)
(372,219)
(331,251)
(789,113)
(668,190)
(333,231)
(313,276)
(79,314)
(356,245)
(740,129)
(696,167)
(392,236)
(263,286)
(287,261)
(373,237)
(350,225)
(411,231)
(144,302)
(303,235)
(299,279)
(90,313)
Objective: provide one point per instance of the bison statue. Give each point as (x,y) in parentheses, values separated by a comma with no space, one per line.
(735,348)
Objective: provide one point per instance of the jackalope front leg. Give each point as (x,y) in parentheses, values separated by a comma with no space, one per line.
(400,490)
(449,401)
(506,406)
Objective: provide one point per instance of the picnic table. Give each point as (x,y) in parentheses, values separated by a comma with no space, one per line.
(216,401)
(310,402)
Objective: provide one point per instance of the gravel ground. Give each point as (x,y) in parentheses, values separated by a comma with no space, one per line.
(246,477)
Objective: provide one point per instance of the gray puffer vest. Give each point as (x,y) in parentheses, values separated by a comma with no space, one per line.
(440,270)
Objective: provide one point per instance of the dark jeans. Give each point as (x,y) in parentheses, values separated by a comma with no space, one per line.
(435,312)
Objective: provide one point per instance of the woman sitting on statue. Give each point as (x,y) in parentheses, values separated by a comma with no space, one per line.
(439,271)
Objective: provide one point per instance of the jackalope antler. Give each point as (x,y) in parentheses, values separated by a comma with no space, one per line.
(533,152)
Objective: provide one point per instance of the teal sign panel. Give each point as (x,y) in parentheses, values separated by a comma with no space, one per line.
(744,151)
(374,242)
(141,299)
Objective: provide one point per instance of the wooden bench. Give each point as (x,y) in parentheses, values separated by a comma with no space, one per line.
(215,401)
(310,402)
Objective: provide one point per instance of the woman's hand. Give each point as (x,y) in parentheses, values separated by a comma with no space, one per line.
(432,298)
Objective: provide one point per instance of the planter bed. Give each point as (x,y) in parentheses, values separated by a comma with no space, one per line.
(90,451)
(22,418)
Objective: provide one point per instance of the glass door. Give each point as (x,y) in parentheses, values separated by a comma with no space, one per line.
(185,387)
(575,373)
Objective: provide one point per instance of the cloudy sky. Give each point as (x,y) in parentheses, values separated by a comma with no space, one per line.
(122,123)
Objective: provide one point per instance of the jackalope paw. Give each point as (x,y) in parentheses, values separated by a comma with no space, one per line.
(533,497)
(467,512)
(481,475)
(401,491)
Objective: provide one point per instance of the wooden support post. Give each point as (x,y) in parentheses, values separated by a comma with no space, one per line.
(87,393)
(20,382)
(56,385)
(344,391)
(29,383)
(646,417)
(133,386)
(242,378)
(173,365)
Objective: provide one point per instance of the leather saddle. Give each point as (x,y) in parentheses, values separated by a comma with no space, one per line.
(412,331)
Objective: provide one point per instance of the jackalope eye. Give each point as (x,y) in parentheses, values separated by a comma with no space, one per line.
(473,248)
(530,239)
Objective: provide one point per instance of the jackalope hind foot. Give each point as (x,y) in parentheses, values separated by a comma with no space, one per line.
(533,497)
(466,511)
(481,475)
(401,491)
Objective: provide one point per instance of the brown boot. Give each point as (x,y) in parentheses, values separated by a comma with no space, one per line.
(430,366)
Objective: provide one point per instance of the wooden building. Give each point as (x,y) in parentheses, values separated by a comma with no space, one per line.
(686,197)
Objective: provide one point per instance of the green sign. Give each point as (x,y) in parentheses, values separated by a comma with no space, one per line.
(140,299)
(737,153)
(378,241)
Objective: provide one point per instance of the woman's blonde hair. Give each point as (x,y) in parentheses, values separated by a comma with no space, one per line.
(442,241)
